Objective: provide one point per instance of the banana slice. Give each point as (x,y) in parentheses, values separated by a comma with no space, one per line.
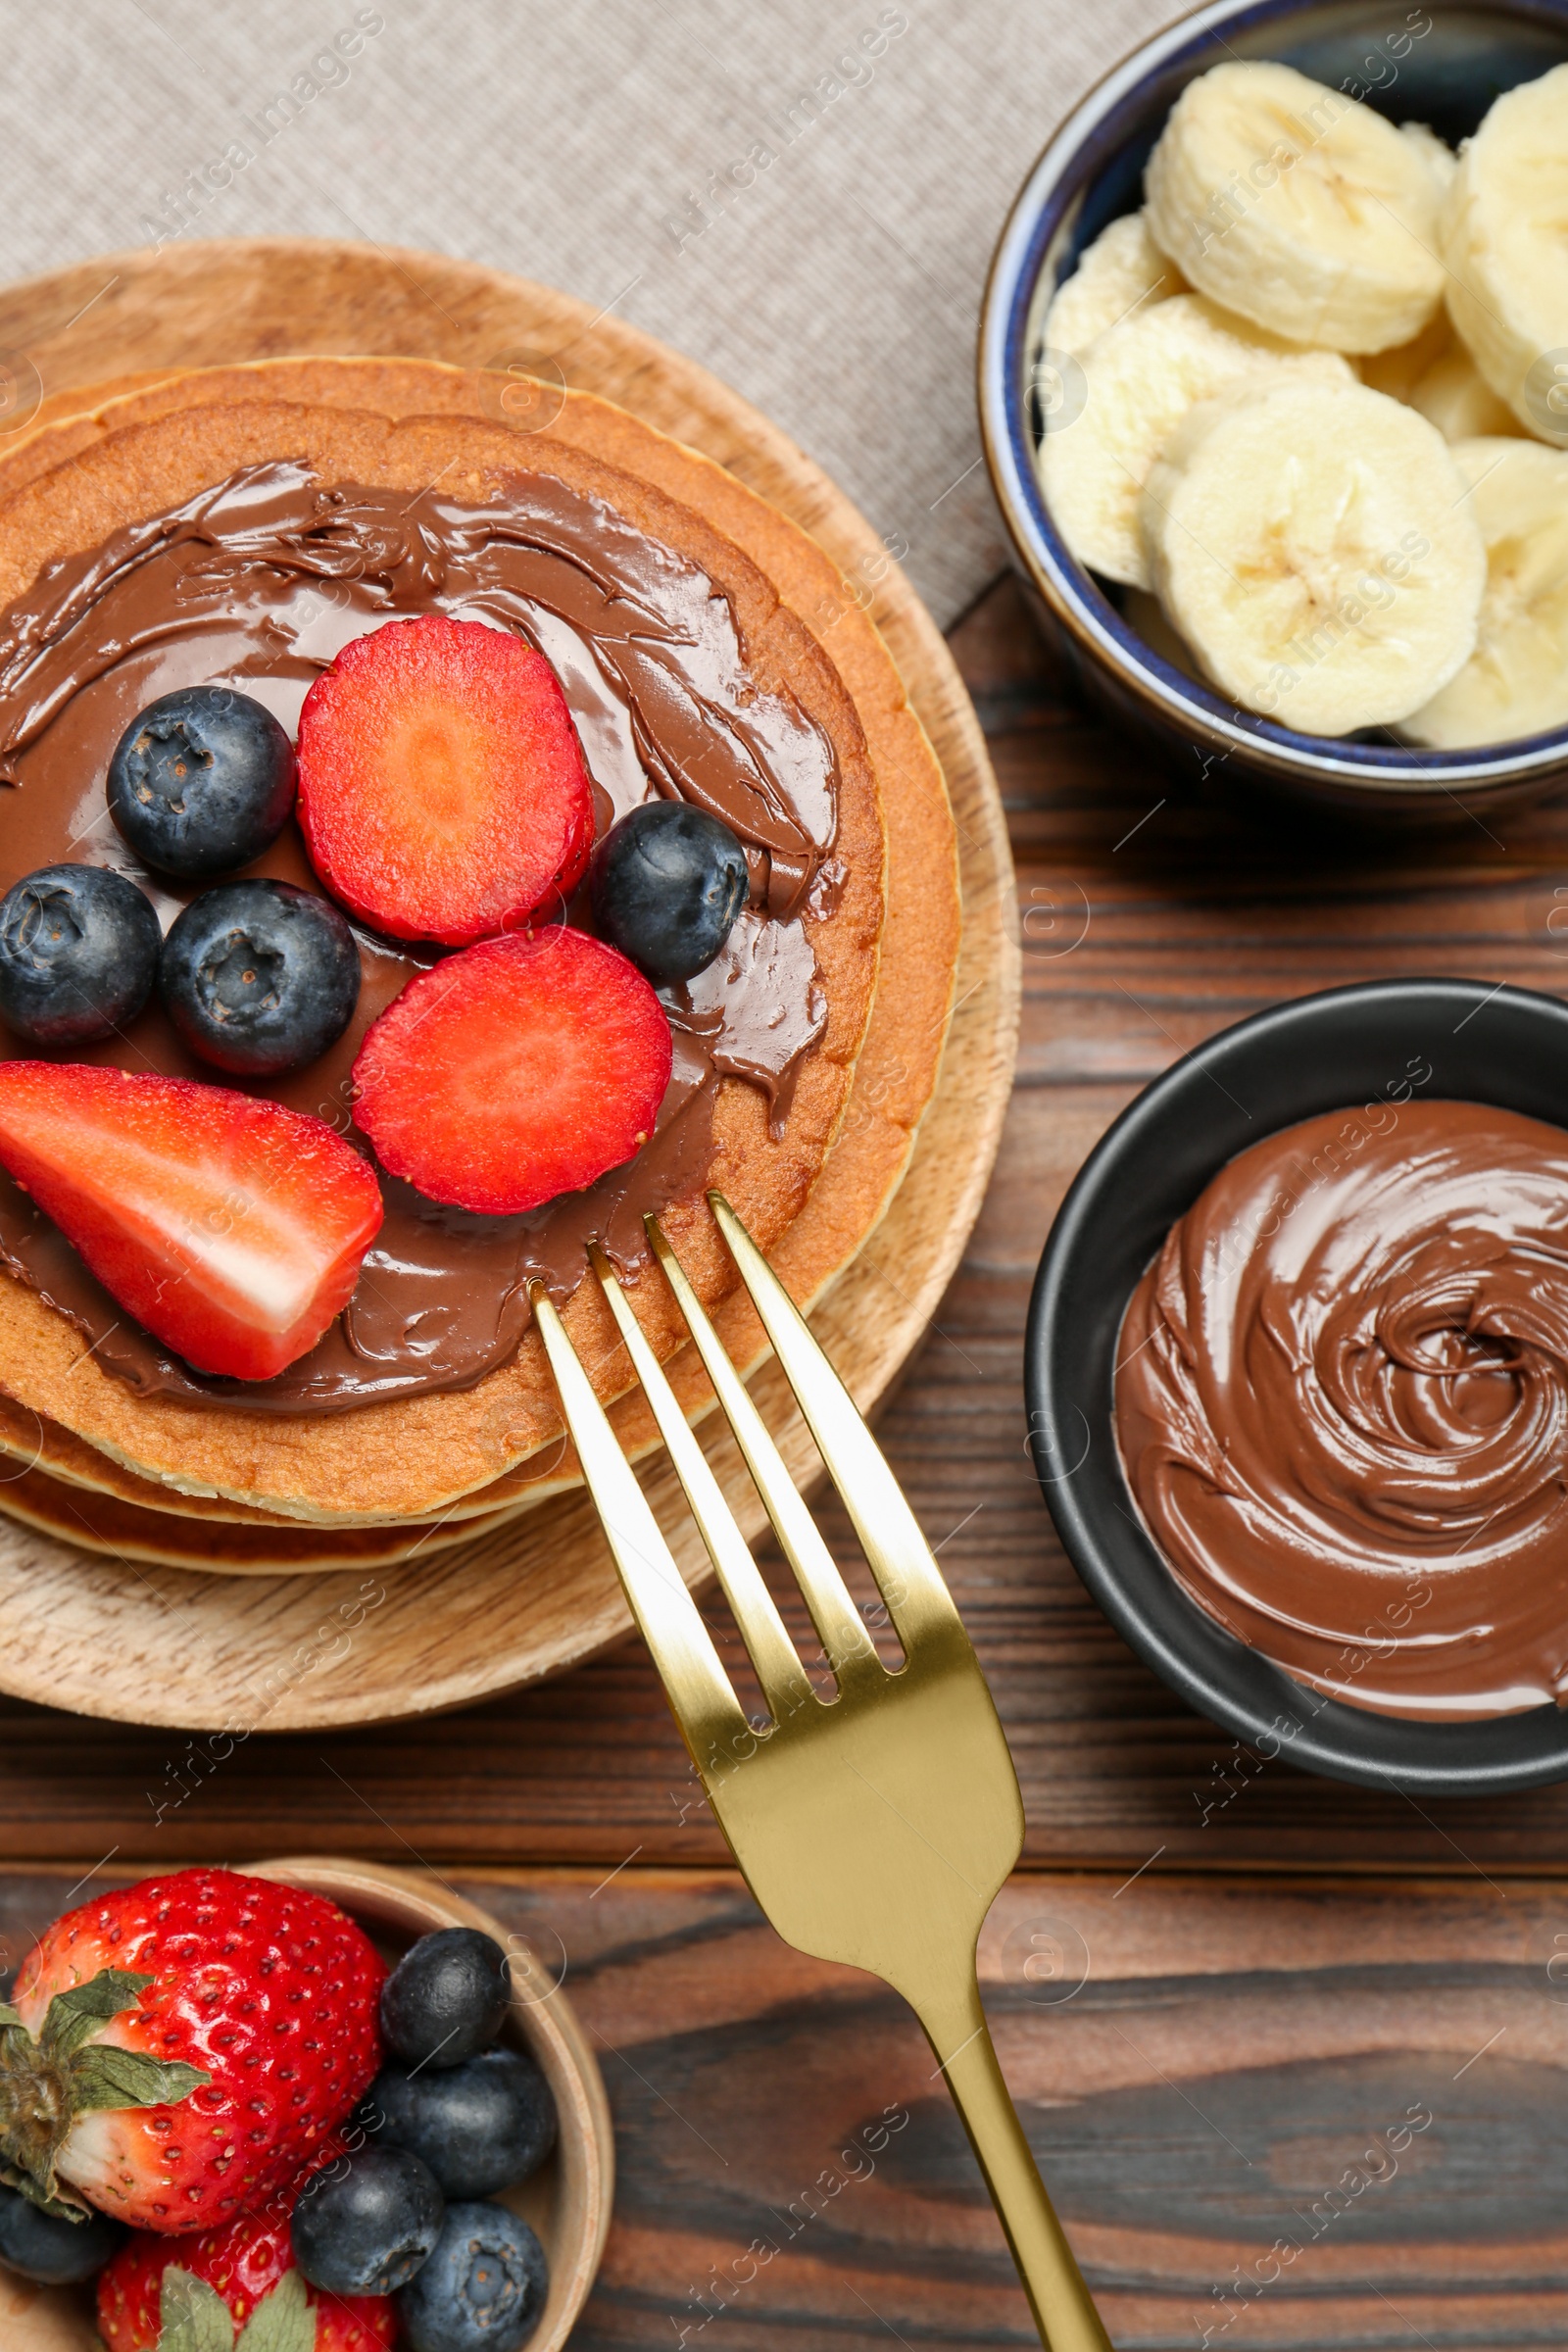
(1122,271)
(1435,375)
(1140,380)
(1398,372)
(1455,397)
(1314,544)
(1516,681)
(1436,155)
(1297,207)
(1504,244)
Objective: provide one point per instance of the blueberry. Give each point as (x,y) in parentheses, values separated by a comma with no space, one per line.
(364,2225)
(668,883)
(479,2127)
(202,781)
(482,2289)
(259,977)
(79,952)
(53,2252)
(446,1997)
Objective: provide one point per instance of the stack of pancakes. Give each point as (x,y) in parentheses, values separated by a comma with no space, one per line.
(222,1487)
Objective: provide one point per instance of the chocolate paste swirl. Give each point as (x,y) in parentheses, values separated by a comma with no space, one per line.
(1342,1403)
(259,583)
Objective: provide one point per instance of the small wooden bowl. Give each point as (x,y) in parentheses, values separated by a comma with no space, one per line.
(566,2201)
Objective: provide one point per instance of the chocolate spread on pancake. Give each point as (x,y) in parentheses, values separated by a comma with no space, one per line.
(1342,1404)
(258,584)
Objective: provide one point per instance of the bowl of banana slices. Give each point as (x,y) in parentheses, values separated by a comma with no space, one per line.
(1274,393)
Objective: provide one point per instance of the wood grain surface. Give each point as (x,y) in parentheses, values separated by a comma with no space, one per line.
(1218,2055)
(1309,2115)
(1135,948)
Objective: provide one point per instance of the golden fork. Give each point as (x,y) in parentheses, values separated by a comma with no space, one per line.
(876,1828)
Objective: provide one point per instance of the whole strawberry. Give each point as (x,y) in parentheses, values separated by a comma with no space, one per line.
(174,2050)
(153,2284)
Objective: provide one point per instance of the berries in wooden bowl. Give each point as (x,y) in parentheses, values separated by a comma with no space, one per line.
(243,2277)
(264,1989)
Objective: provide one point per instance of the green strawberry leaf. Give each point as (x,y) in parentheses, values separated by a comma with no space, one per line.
(282,2322)
(193,2316)
(102,2076)
(75,2015)
(47,2195)
(45,2085)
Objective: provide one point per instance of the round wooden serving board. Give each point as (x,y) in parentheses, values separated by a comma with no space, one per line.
(144,1644)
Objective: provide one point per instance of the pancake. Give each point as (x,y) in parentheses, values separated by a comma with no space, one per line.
(500,1440)
(103,1523)
(39,1444)
(66,421)
(78,1487)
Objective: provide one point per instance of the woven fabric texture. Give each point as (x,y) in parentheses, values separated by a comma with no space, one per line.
(802,195)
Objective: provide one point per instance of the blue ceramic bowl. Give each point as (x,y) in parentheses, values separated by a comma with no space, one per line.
(1437,64)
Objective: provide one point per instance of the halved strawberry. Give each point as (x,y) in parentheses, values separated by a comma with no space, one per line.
(523,1068)
(232,1228)
(441,783)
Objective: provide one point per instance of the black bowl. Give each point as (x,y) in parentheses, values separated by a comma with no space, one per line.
(1503,1046)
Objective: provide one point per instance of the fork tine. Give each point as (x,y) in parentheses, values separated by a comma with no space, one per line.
(702,1697)
(785,1683)
(848,1645)
(900,1559)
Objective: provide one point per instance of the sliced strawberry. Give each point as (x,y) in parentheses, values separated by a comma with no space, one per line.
(520,1069)
(441,783)
(233,1228)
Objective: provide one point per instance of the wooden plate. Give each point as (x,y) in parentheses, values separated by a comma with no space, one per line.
(566,2202)
(144,1644)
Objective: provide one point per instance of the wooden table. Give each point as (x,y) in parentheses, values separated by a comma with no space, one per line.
(1289,2049)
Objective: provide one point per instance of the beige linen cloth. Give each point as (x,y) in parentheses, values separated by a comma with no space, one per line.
(802,194)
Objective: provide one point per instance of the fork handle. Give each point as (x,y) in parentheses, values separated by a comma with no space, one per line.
(1063,2307)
